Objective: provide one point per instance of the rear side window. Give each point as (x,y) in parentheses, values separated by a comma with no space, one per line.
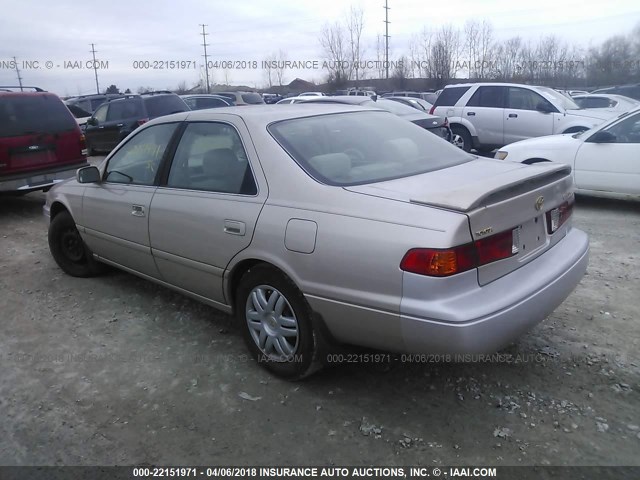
(164,105)
(450,96)
(210,157)
(487,97)
(27,114)
(96,102)
(252,98)
(124,109)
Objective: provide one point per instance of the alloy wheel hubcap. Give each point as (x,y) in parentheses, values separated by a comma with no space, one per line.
(272,322)
(458,141)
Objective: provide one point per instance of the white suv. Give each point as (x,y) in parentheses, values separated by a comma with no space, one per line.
(486,116)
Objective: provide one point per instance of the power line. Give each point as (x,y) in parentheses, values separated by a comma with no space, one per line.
(18,73)
(206,57)
(386,37)
(95,68)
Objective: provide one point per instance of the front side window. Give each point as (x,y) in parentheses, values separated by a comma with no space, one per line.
(210,157)
(122,109)
(137,162)
(363,147)
(101,113)
(626,131)
(524,99)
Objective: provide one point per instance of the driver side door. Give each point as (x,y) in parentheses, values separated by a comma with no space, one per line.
(611,167)
(115,211)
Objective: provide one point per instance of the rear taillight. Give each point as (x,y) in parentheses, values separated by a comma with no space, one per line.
(436,262)
(83,145)
(142,121)
(559,215)
(433,108)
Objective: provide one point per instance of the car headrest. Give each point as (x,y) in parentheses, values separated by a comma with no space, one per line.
(220,162)
(402,147)
(331,165)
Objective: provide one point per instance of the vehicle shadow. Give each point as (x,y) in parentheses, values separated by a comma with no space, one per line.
(28,205)
(608,204)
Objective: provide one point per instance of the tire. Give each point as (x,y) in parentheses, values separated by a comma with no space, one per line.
(69,250)
(293,355)
(90,150)
(464,137)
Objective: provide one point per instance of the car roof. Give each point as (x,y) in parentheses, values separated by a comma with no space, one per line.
(346,99)
(262,115)
(492,84)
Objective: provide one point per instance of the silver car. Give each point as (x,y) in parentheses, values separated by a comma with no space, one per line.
(332,224)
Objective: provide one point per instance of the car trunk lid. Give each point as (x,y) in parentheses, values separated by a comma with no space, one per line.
(496,197)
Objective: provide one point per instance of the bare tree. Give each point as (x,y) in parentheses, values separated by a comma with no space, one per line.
(334,45)
(380,56)
(471,41)
(268,68)
(445,53)
(485,47)
(280,70)
(401,72)
(355,24)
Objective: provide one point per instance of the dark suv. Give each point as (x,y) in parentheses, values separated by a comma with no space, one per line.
(89,103)
(116,119)
(40,141)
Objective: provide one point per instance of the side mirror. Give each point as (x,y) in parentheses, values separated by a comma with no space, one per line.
(92,121)
(602,137)
(543,107)
(88,175)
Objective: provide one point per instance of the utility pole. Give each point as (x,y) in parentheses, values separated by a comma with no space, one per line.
(95,68)
(206,57)
(18,73)
(386,37)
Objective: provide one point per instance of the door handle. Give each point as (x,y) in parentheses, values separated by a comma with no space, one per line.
(100,127)
(513,115)
(120,125)
(234,227)
(471,114)
(137,210)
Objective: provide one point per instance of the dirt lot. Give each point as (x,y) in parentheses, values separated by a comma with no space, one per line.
(116,370)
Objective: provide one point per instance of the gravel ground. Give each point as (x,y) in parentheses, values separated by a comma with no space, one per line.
(117,370)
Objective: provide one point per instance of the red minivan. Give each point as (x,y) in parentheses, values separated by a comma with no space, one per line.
(40,142)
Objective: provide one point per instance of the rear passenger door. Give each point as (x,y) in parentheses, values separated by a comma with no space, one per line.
(485,111)
(121,118)
(522,119)
(206,209)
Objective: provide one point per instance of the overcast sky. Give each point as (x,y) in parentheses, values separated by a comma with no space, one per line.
(247,30)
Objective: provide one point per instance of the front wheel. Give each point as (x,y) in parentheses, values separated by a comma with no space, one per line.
(276,321)
(69,250)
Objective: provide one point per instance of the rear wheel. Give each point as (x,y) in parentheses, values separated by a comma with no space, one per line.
(276,321)
(69,250)
(461,138)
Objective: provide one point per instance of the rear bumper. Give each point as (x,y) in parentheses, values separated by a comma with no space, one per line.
(39,180)
(485,319)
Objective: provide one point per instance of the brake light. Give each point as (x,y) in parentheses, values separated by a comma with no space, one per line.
(559,215)
(142,121)
(83,142)
(436,262)
(446,122)
(432,109)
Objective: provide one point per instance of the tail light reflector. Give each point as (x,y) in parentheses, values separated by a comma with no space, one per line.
(433,107)
(436,262)
(559,215)
(142,121)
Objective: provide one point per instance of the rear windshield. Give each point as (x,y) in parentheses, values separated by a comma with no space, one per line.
(450,96)
(164,105)
(356,148)
(390,106)
(252,98)
(27,114)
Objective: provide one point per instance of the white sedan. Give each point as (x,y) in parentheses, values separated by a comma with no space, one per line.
(604,160)
(616,104)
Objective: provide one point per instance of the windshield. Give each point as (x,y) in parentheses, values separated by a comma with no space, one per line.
(557,98)
(26,114)
(252,98)
(356,148)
